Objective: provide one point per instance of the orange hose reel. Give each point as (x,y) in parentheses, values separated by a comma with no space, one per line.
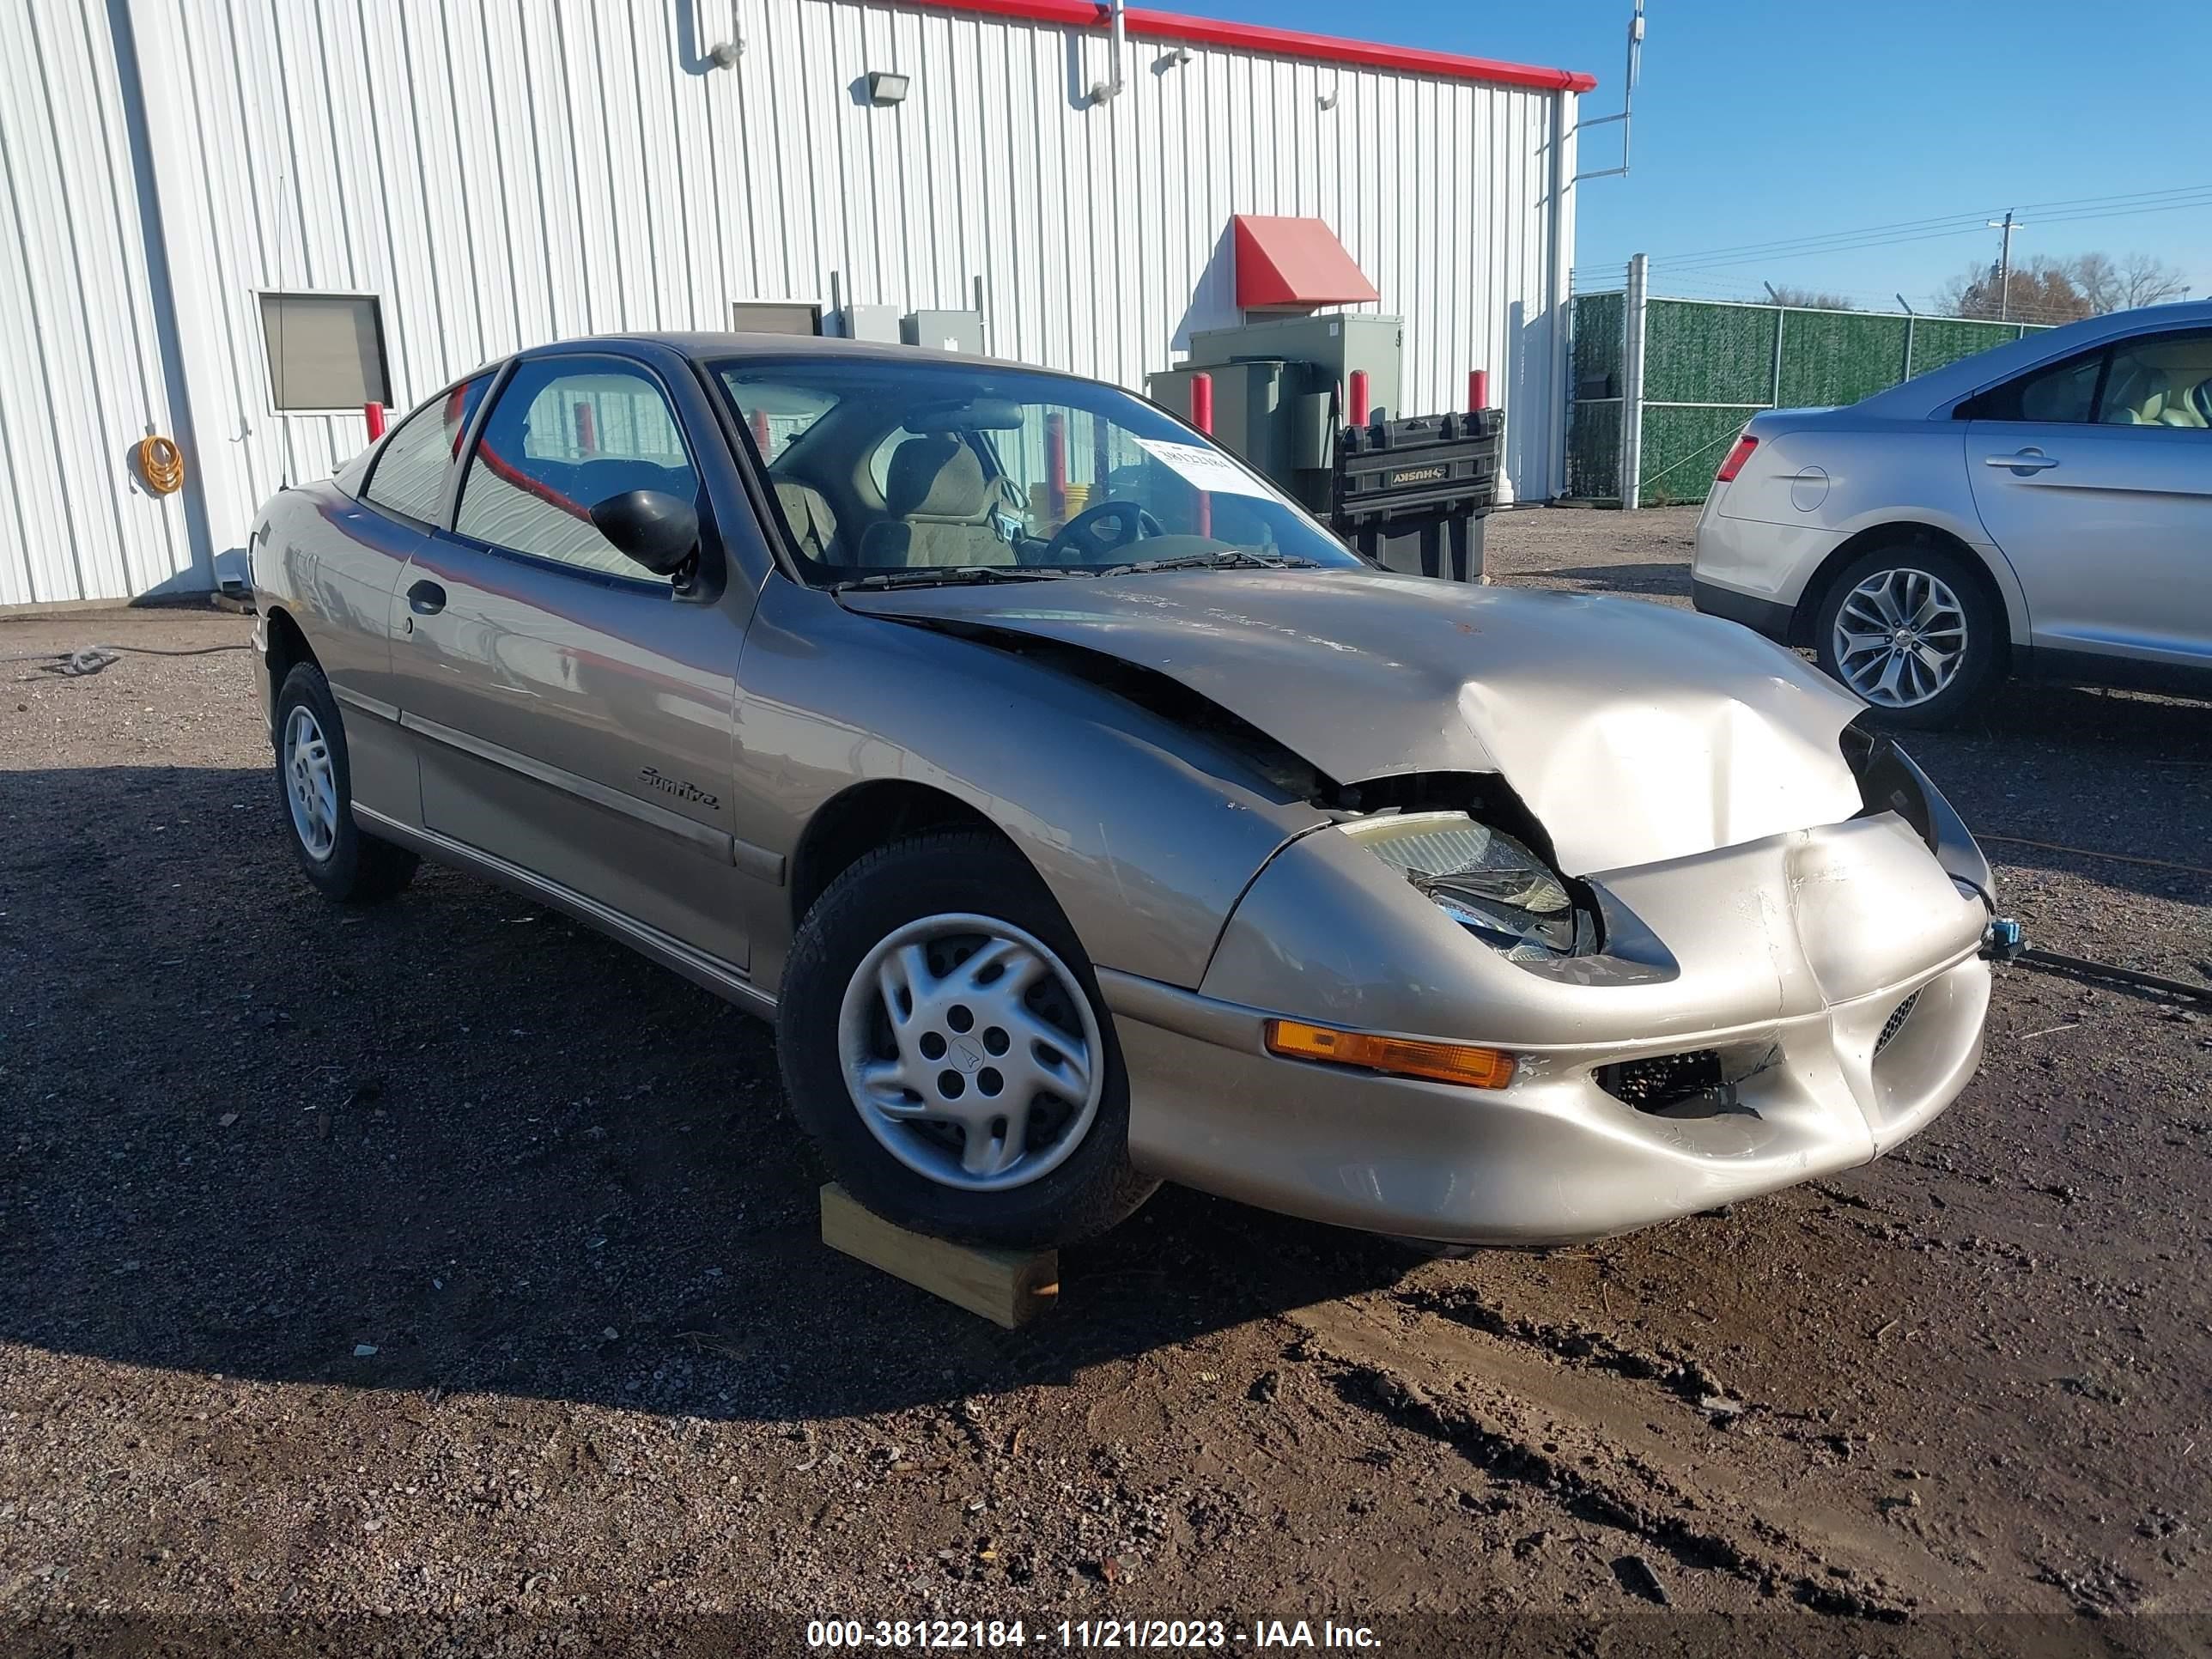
(161,464)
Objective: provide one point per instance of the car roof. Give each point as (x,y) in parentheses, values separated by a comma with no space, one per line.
(1926,394)
(705,344)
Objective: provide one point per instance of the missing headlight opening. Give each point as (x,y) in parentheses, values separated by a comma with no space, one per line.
(1484,879)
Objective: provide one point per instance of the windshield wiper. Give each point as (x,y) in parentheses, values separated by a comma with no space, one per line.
(1235,558)
(948,576)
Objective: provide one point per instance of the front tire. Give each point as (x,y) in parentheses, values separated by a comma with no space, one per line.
(1911,629)
(315,798)
(944,1042)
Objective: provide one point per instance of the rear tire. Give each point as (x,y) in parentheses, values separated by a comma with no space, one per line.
(1914,630)
(934,1117)
(315,798)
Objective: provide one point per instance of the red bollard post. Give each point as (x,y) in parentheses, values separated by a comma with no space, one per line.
(1201,417)
(587,442)
(1358,411)
(760,432)
(1055,468)
(373,414)
(1478,390)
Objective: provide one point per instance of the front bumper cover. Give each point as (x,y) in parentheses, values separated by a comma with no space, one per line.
(1789,955)
(1551,1159)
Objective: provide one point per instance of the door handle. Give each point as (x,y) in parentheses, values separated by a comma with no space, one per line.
(2027,460)
(426,598)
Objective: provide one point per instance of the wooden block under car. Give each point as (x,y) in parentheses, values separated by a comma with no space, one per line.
(1009,1287)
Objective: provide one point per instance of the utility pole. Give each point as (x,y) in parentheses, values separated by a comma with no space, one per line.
(2007,225)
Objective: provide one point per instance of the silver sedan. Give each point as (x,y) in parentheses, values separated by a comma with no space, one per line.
(2044,509)
(1085,815)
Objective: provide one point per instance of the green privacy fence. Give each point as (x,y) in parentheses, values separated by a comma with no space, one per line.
(1709,366)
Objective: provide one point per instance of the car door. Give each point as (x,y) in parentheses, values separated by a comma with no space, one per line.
(2094,477)
(573,715)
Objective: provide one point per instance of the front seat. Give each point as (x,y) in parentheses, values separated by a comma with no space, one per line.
(940,504)
(2138,397)
(806,510)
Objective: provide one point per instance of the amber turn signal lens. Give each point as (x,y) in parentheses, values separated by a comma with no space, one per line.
(1440,1062)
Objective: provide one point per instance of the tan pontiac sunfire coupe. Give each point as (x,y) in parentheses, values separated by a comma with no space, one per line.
(1085,815)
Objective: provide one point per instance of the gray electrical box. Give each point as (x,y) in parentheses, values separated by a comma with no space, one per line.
(1274,384)
(945,331)
(1249,400)
(1334,345)
(879,323)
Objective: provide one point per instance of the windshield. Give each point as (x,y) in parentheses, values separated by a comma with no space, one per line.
(891,473)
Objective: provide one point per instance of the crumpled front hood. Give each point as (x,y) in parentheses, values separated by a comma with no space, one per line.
(1634,731)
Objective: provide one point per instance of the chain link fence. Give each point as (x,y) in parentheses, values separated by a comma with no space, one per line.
(1711,365)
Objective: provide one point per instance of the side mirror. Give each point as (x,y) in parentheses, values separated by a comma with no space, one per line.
(651,527)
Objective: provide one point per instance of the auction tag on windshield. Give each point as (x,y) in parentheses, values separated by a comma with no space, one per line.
(1209,469)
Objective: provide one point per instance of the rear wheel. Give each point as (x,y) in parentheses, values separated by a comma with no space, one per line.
(1912,629)
(314,790)
(943,1042)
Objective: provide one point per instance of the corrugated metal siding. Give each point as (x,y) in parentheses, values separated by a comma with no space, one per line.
(501,173)
(81,371)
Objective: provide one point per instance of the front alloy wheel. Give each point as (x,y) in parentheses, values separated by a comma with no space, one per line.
(943,1041)
(970,1051)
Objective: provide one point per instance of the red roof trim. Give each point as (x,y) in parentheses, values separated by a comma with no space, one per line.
(1280,43)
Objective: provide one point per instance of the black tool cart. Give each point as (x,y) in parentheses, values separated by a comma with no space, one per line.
(1412,495)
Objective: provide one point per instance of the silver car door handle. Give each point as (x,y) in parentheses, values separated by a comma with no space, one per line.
(2027,460)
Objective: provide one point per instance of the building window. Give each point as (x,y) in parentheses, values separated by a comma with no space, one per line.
(325,350)
(775,317)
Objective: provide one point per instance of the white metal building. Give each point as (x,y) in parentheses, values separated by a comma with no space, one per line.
(186,184)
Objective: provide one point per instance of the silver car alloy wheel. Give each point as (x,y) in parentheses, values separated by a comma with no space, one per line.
(971,1052)
(1899,637)
(311,783)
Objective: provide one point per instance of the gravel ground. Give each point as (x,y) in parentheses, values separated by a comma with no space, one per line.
(445,1275)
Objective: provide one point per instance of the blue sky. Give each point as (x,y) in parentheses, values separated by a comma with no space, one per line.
(1757,124)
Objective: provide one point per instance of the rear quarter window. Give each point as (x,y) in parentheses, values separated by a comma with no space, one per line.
(408,476)
(2064,392)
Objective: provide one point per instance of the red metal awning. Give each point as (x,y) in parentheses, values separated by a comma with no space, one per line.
(1294,262)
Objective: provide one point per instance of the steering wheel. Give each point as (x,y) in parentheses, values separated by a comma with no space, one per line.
(1080,534)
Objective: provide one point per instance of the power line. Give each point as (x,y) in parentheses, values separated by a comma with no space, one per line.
(1687,262)
(2110,206)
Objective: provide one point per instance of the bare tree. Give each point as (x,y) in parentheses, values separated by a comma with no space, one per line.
(2145,280)
(1809,298)
(2099,281)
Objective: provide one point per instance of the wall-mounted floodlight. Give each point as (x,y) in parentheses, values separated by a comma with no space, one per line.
(886,87)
